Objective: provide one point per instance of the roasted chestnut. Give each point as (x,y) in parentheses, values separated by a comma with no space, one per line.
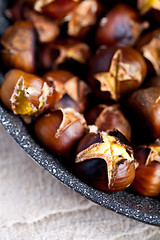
(27,94)
(68,54)
(147,178)
(56,9)
(113,73)
(73,91)
(82,18)
(107,117)
(105,161)
(59,130)
(144,110)
(149,46)
(120,26)
(19,47)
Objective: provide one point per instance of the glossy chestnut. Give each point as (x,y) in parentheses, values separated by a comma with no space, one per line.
(73,91)
(67,53)
(114,73)
(149,46)
(109,117)
(144,110)
(27,94)
(19,47)
(104,161)
(60,130)
(147,178)
(120,26)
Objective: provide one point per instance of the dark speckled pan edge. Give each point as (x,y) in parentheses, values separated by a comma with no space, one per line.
(140,208)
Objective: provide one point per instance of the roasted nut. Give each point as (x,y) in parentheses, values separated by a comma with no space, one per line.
(121,26)
(109,117)
(68,54)
(82,18)
(60,130)
(19,47)
(104,161)
(147,179)
(47,29)
(113,73)
(27,94)
(149,46)
(73,91)
(56,9)
(144,110)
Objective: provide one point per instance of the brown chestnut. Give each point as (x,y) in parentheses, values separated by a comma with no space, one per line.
(67,53)
(27,94)
(73,91)
(18,47)
(149,46)
(105,161)
(59,130)
(120,26)
(47,29)
(82,17)
(144,110)
(147,178)
(113,73)
(56,9)
(107,117)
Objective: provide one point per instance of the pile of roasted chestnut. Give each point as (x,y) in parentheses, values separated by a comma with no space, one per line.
(85,75)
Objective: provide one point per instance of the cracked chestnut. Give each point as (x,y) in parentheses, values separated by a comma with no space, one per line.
(149,46)
(105,161)
(60,130)
(66,53)
(73,91)
(114,73)
(147,178)
(26,94)
(109,117)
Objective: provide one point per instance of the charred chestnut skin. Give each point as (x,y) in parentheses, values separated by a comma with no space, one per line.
(119,27)
(63,143)
(147,178)
(19,47)
(94,170)
(144,113)
(102,62)
(109,117)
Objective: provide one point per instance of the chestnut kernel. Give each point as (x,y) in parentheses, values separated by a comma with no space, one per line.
(104,161)
(59,130)
(147,178)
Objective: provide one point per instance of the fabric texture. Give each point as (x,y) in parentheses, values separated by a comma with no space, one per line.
(36,206)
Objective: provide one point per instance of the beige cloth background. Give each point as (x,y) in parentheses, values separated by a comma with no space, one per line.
(36,206)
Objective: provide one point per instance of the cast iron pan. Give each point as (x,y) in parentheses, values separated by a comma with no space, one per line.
(127,203)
